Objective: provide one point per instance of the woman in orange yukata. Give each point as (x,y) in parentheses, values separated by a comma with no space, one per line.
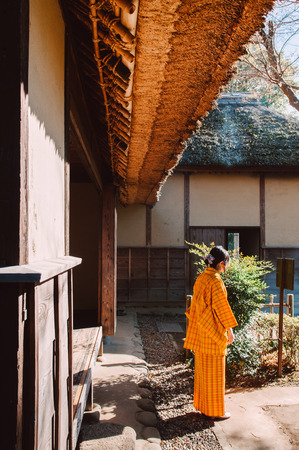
(209,331)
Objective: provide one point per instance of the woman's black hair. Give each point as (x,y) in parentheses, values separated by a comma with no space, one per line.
(216,255)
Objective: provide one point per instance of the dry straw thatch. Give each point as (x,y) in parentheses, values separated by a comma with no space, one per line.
(151,70)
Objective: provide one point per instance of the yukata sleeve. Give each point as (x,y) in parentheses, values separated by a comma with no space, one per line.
(221,305)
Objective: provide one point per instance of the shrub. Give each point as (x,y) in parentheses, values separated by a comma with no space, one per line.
(244,356)
(255,348)
(265,327)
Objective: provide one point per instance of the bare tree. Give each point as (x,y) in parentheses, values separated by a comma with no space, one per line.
(272,56)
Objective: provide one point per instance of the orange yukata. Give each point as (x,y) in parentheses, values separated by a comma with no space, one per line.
(210,316)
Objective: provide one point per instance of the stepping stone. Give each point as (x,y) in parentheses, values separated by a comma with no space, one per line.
(151,434)
(169,327)
(107,436)
(146,404)
(144,393)
(150,446)
(146,418)
(145,383)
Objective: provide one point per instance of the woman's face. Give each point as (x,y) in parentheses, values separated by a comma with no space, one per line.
(223,266)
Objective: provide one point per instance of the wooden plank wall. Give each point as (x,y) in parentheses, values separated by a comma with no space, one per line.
(147,275)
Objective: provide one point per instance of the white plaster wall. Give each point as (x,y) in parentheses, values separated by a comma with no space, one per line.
(282,211)
(46,131)
(224,200)
(168,214)
(131,226)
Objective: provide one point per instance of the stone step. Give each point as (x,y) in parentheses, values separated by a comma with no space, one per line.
(106,436)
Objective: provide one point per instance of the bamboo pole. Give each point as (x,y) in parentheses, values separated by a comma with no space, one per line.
(120,133)
(113,63)
(115,44)
(113,94)
(107,69)
(119,108)
(120,118)
(126,5)
(94,20)
(120,145)
(114,24)
(115,123)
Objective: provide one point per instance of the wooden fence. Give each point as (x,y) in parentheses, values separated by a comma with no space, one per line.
(152,275)
(289,304)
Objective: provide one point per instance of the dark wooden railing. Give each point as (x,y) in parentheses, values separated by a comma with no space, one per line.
(42,292)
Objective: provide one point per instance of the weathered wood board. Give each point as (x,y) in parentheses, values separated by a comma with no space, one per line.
(86,347)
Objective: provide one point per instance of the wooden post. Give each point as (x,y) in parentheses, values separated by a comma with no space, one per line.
(108,288)
(188,303)
(284,280)
(129,272)
(14,212)
(187,228)
(186,206)
(167,273)
(290,303)
(271,303)
(57,365)
(70,355)
(148,226)
(148,279)
(33,372)
(262,215)
(280,328)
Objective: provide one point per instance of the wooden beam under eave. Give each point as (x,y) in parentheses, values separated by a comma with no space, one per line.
(107,291)
(81,126)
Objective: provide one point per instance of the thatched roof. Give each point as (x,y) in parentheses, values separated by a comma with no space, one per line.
(149,80)
(241,133)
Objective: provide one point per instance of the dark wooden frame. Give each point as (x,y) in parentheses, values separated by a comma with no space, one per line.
(148,225)
(13,207)
(262,213)
(186,206)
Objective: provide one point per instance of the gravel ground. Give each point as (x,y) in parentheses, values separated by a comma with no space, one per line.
(171,383)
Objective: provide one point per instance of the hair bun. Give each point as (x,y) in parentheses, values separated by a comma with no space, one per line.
(210,259)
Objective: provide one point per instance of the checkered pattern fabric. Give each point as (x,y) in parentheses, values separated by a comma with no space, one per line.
(209,315)
(209,384)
